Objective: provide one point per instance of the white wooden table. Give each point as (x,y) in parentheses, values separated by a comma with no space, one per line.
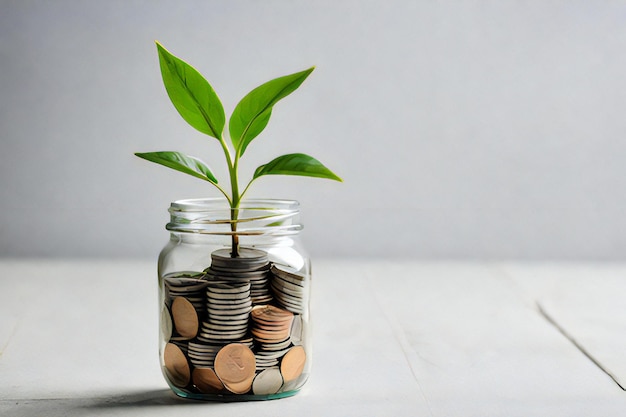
(391,339)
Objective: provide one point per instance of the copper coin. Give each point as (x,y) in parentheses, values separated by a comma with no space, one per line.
(185,317)
(235,365)
(176,366)
(293,363)
(270,313)
(207,381)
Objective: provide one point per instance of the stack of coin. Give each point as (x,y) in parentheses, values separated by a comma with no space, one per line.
(288,289)
(228,306)
(270,328)
(251,265)
(186,302)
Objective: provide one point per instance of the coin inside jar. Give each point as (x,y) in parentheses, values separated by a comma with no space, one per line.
(185,318)
(207,381)
(176,366)
(268,381)
(235,365)
(292,365)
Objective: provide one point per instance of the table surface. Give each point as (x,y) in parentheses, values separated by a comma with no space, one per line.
(393,338)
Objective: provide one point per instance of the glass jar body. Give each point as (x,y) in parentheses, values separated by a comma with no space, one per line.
(234,328)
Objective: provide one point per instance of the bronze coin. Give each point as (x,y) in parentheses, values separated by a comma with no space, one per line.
(176,366)
(270,313)
(293,363)
(207,381)
(185,318)
(235,365)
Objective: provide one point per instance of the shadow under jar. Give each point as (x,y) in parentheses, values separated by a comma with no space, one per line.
(234,328)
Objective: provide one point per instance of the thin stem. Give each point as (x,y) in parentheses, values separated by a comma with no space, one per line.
(246,189)
(233,201)
(234,207)
(230,202)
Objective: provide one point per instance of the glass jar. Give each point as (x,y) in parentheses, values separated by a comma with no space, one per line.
(234,328)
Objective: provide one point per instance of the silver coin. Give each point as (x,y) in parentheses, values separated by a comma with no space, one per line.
(214,323)
(288,285)
(283,344)
(280,287)
(229,337)
(229,304)
(291,308)
(288,274)
(288,299)
(243,275)
(201,347)
(228,311)
(295,335)
(267,382)
(222,287)
(247,258)
(241,322)
(166,324)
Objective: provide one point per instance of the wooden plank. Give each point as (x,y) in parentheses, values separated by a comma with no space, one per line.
(587,302)
(478,348)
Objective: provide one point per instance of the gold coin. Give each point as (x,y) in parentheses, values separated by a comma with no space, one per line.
(235,365)
(176,366)
(207,381)
(293,363)
(185,318)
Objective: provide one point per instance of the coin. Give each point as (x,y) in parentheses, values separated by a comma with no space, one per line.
(176,366)
(270,313)
(166,324)
(292,363)
(185,318)
(267,382)
(245,258)
(222,287)
(287,274)
(296,330)
(235,365)
(207,381)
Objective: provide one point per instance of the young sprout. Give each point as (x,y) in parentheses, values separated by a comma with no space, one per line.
(199,105)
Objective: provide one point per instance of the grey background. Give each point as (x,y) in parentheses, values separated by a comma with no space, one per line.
(468,129)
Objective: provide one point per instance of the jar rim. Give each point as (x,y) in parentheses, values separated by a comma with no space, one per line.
(214,216)
(217,203)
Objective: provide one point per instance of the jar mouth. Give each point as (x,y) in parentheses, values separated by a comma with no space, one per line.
(210,204)
(253,217)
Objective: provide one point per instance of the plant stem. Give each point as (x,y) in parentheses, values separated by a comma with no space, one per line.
(235,197)
(234,208)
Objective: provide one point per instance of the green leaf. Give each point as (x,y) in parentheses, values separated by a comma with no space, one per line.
(191,94)
(180,162)
(296,164)
(253,112)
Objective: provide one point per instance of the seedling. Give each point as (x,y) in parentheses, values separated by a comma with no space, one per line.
(197,103)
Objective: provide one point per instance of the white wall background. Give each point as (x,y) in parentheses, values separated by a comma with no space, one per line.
(462,129)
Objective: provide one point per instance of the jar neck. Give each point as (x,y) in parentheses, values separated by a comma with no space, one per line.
(253,217)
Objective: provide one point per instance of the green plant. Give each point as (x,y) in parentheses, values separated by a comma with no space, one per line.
(199,105)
